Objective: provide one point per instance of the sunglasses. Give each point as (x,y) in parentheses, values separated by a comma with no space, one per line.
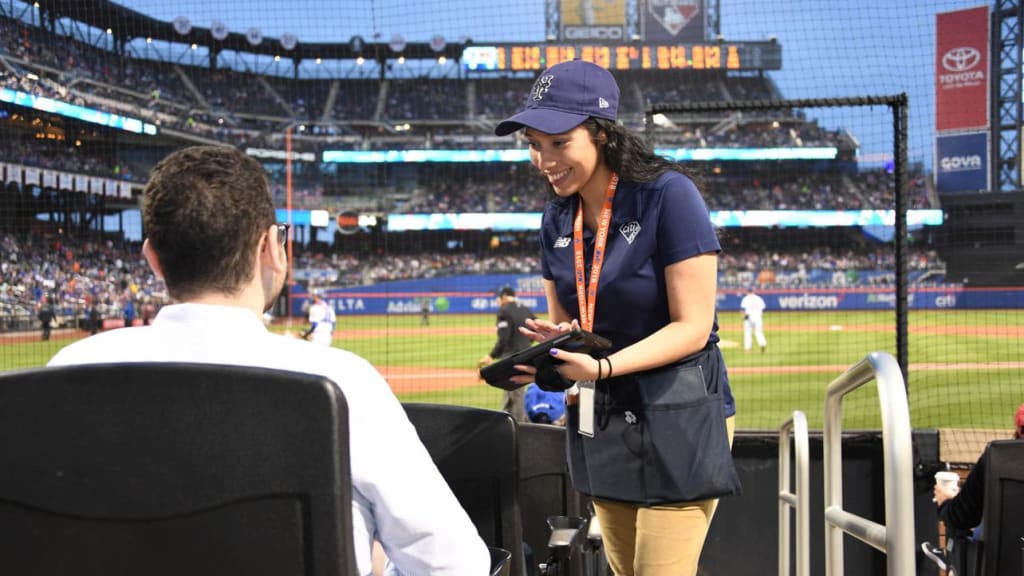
(282,233)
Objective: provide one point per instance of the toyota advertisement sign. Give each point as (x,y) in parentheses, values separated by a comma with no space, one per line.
(962,69)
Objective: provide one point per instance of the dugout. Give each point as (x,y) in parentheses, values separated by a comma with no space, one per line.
(744,535)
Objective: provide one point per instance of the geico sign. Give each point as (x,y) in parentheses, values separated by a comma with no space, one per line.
(592,32)
(957,163)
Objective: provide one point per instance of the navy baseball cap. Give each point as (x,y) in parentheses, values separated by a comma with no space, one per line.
(564,96)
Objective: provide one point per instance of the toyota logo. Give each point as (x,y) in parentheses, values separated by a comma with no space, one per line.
(961,59)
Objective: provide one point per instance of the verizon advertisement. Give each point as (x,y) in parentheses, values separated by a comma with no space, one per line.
(962,69)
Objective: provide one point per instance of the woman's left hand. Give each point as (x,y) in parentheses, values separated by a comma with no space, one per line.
(576,366)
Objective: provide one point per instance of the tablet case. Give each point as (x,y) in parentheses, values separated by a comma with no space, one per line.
(498,373)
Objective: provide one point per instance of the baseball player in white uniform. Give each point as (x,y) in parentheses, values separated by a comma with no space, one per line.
(753,320)
(321,321)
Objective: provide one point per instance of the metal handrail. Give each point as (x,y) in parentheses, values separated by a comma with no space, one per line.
(799,501)
(896,537)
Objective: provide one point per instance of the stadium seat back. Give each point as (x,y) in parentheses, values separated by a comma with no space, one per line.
(1002,527)
(170,469)
(545,488)
(476,453)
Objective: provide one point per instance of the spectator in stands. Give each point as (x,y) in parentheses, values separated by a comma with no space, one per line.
(960,508)
(212,235)
(512,316)
(634,223)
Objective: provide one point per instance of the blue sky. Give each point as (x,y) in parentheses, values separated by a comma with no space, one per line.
(830,49)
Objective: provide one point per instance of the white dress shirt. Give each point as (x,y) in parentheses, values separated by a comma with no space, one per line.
(398,497)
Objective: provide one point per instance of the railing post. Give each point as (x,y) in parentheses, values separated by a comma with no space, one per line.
(799,501)
(896,537)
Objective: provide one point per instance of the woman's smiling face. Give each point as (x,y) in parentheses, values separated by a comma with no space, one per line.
(569,161)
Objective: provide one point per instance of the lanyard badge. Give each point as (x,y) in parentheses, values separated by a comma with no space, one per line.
(586,293)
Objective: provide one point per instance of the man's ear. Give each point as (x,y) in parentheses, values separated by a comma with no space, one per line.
(273,254)
(152,259)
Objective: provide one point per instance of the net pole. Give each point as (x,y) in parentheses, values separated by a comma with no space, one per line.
(288,206)
(899,111)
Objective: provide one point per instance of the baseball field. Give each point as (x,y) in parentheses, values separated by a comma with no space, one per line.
(966,367)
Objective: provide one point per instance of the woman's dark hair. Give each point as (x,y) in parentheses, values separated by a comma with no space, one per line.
(631,157)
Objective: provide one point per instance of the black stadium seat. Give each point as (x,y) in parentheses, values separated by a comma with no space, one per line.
(475,450)
(544,486)
(172,469)
(1002,527)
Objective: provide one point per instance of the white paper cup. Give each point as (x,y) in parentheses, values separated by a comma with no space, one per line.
(948,480)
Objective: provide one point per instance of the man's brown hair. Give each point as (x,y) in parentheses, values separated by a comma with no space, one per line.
(203,212)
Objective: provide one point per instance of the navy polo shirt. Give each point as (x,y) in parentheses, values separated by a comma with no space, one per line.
(653,225)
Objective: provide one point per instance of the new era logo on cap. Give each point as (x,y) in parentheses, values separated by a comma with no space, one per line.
(564,96)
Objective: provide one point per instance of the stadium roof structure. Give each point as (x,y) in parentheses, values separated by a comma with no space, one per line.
(126,24)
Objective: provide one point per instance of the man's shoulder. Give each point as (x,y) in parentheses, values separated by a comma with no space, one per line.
(101,347)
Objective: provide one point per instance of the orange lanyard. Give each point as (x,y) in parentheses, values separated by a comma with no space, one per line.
(587,294)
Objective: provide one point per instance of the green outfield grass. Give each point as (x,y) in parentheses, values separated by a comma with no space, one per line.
(966,366)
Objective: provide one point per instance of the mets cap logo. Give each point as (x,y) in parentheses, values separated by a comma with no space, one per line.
(961,59)
(674,15)
(541,87)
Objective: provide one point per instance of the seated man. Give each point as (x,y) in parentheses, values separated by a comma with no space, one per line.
(211,234)
(960,508)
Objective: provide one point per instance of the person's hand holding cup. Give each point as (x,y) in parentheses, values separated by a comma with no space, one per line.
(947,485)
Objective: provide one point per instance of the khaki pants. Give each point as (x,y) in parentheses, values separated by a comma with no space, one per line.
(656,540)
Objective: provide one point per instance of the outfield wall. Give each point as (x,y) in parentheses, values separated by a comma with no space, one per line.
(478,294)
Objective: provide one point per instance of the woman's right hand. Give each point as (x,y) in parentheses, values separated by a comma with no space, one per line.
(540,330)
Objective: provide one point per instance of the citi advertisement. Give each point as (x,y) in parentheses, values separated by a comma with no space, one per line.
(961,163)
(674,21)
(479,295)
(593,20)
(962,69)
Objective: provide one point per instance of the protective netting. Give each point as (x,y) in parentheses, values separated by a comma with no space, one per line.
(375,123)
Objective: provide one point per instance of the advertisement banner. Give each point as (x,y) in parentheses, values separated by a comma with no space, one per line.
(674,21)
(962,69)
(588,20)
(961,163)
(478,295)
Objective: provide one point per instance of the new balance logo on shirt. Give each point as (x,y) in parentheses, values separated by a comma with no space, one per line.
(563,242)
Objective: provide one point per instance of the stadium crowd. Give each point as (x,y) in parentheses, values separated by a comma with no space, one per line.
(249,108)
(114,277)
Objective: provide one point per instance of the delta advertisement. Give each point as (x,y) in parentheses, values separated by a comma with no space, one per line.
(479,294)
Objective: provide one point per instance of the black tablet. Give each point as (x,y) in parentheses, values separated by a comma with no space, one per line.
(498,373)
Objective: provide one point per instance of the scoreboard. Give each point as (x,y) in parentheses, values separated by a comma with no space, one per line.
(628,56)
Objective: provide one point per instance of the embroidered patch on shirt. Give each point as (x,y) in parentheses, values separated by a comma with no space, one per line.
(563,242)
(629,230)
